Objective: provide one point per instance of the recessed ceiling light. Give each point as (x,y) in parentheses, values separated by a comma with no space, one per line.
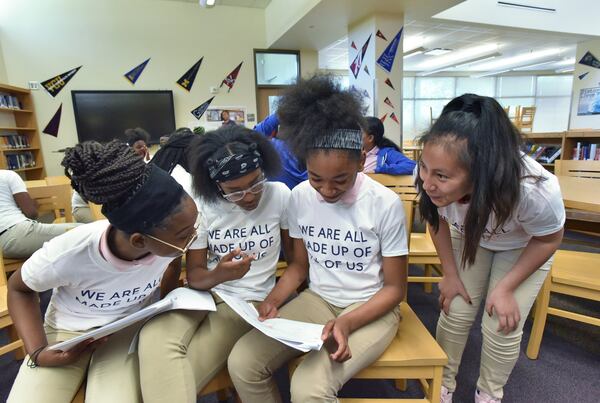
(437,51)
(414,52)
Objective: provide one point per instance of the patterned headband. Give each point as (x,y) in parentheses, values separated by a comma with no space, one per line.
(234,166)
(344,139)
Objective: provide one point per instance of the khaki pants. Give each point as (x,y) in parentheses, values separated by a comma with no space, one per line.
(23,239)
(499,352)
(181,351)
(255,357)
(112,374)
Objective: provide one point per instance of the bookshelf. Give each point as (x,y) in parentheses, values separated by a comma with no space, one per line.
(584,138)
(20,147)
(548,139)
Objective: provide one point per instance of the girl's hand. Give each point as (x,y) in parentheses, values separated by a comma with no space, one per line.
(57,358)
(336,332)
(267,310)
(234,269)
(450,286)
(503,304)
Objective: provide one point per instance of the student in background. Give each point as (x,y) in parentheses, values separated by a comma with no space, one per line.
(226,120)
(138,140)
(349,236)
(383,156)
(81,209)
(497,218)
(99,272)
(292,173)
(20,234)
(243,224)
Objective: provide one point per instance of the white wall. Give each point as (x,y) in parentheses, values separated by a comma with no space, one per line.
(591,80)
(3,76)
(110,37)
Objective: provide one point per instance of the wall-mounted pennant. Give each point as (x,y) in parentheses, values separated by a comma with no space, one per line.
(357,62)
(52,126)
(231,77)
(388,82)
(57,83)
(353,45)
(199,111)
(386,60)
(590,60)
(388,102)
(582,76)
(367,70)
(133,75)
(187,80)
(394,118)
(383,118)
(380,34)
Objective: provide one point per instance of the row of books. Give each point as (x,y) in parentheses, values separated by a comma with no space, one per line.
(586,151)
(20,160)
(544,153)
(8,101)
(14,141)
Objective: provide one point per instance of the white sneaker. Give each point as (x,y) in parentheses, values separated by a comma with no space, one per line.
(482,397)
(446,396)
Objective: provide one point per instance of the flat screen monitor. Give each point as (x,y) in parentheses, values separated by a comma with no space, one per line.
(105,115)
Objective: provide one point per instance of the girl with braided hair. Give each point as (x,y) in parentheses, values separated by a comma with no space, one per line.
(349,237)
(243,225)
(100,272)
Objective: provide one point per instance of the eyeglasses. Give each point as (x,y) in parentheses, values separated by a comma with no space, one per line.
(183,250)
(237,196)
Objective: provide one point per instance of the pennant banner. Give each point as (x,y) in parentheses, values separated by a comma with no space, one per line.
(199,111)
(379,34)
(367,70)
(388,102)
(353,45)
(582,76)
(388,82)
(394,118)
(383,118)
(357,63)
(56,84)
(133,75)
(231,77)
(386,60)
(590,60)
(52,126)
(187,80)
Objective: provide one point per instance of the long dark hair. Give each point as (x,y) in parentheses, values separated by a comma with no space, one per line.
(487,144)
(174,151)
(374,127)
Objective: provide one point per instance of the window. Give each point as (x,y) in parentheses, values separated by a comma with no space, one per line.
(276,68)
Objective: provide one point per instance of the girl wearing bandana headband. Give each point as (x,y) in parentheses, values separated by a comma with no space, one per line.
(242,228)
(100,272)
(349,238)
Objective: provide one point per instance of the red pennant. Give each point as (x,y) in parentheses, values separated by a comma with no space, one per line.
(388,102)
(379,34)
(353,45)
(388,82)
(231,77)
(52,126)
(394,118)
(383,118)
(364,48)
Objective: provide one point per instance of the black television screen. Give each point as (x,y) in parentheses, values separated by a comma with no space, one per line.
(105,115)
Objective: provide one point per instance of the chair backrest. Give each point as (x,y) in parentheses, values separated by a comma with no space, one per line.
(525,119)
(53,198)
(402,185)
(2,271)
(409,213)
(58,180)
(35,183)
(582,169)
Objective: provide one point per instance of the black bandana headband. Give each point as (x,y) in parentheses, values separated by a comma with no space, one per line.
(344,139)
(149,206)
(234,166)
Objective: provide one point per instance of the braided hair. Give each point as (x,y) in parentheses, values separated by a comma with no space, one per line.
(107,174)
(174,151)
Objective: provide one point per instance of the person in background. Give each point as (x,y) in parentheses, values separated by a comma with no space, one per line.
(226,120)
(172,157)
(292,172)
(20,234)
(81,209)
(138,140)
(383,156)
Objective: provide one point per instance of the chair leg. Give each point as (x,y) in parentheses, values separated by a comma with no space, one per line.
(427,273)
(434,393)
(539,321)
(401,384)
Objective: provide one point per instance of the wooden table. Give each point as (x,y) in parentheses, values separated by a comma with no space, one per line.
(580,193)
(415,150)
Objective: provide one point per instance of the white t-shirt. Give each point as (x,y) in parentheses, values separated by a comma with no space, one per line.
(77,201)
(184,178)
(224,226)
(540,211)
(346,242)
(10,213)
(88,291)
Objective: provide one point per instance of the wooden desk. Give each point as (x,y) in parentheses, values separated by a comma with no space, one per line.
(415,150)
(580,193)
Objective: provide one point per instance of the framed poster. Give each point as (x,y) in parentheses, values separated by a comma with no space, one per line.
(589,101)
(213,116)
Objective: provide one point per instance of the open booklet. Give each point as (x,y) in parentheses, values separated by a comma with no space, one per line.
(299,335)
(179,298)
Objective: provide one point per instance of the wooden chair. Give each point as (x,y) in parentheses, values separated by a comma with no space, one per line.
(53,198)
(58,180)
(572,273)
(15,343)
(402,185)
(525,118)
